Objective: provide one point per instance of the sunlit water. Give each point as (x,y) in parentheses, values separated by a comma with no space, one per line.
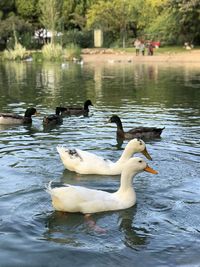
(163,228)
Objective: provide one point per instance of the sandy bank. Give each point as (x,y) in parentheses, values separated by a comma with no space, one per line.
(92,56)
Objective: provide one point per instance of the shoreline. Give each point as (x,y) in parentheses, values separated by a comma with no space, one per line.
(103,56)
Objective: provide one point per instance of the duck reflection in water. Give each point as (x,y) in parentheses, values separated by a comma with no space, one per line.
(134,237)
(73,229)
(69,228)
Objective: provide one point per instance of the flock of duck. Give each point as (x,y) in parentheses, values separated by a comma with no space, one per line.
(70,198)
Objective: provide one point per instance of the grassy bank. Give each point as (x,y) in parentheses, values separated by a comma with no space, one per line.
(162,51)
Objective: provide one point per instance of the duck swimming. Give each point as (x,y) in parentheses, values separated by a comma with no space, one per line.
(84,162)
(138,132)
(70,198)
(78,111)
(54,119)
(12,118)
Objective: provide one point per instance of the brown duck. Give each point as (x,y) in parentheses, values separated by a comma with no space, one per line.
(12,118)
(54,119)
(138,132)
(78,111)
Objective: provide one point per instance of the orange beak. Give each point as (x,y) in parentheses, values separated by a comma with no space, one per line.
(149,169)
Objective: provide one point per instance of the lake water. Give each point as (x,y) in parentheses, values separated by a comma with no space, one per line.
(163,228)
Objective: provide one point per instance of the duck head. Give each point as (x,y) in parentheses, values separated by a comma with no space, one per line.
(31,111)
(136,165)
(87,104)
(115,119)
(60,110)
(139,146)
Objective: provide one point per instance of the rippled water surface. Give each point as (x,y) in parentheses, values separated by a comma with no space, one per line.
(163,228)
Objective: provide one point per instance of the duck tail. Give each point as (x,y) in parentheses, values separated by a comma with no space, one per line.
(159,130)
(60,148)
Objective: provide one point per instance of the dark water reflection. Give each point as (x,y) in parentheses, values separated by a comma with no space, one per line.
(163,228)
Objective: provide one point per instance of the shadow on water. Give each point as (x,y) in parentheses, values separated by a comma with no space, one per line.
(75,230)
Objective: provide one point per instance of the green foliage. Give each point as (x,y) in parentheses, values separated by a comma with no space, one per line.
(37,56)
(52,52)
(163,28)
(18,53)
(74,13)
(7,25)
(50,15)
(171,21)
(112,16)
(82,39)
(27,9)
(177,23)
(186,14)
(7,6)
(72,51)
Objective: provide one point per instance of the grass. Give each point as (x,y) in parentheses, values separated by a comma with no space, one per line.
(52,52)
(72,52)
(18,53)
(162,50)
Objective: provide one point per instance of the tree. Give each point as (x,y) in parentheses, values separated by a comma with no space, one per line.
(27,9)
(50,15)
(111,16)
(7,7)
(177,21)
(186,15)
(13,23)
(74,13)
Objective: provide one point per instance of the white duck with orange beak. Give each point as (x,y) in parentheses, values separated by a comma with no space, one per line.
(71,198)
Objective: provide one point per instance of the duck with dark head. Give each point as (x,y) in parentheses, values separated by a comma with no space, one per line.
(78,110)
(54,119)
(138,132)
(13,118)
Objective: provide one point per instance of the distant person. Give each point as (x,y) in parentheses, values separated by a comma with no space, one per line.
(137,46)
(150,49)
(142,48)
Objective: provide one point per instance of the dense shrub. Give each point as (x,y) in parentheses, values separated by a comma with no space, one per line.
(18,53)
(83,39)
(52,51)
(72,52)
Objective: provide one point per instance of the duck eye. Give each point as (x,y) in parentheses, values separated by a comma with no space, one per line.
(140,161)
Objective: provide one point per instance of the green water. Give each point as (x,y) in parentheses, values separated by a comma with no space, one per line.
(162,229)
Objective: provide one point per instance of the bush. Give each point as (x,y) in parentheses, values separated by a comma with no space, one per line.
(82,39)
(18,53)
(52,51)
(72,51)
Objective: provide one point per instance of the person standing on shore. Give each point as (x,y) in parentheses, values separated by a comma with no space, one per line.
(142,47)
(150,48)
(137,44)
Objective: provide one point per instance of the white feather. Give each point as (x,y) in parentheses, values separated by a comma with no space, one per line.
(84,162)
(71,198)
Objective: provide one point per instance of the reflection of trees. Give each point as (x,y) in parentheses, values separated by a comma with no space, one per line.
(13,74)
(118,86)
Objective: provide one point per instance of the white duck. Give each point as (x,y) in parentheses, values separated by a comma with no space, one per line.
(84,162)
(71,198)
